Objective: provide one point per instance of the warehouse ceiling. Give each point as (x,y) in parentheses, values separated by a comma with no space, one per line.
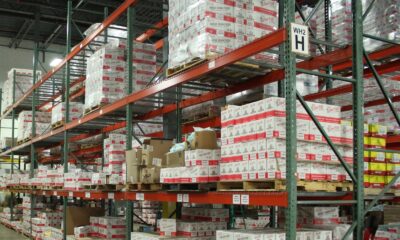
(17,19)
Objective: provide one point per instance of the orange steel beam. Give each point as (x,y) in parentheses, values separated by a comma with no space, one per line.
(377,55)
(255,198)
(149,33)
(85,42)
(159,44)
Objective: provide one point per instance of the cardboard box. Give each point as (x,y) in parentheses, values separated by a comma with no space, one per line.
(80,216)
(176,159)
(150,175)
(154,151)
(204,140)
(134,157)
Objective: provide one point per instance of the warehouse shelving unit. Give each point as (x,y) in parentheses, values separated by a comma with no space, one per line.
(345,64)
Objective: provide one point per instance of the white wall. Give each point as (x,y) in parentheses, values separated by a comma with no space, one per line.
(20,58)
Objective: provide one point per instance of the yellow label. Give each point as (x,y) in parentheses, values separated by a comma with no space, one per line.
(377,179)
(375,141)
(377,129)
(381,167)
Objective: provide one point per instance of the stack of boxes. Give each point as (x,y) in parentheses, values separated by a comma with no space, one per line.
(58,112)
(105,72)
(114,157)
(77,179)
(201,29)
(147,211)
(379,167)
(46,219)
(24,124)
(254,147)
(23,82)
(198,164)
(107,227)
(5,215)
(382,21)
(6,143)
(143,165)
(144,60)
(197,223)
(273,234)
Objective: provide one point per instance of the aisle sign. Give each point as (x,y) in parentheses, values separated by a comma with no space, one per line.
(300,39)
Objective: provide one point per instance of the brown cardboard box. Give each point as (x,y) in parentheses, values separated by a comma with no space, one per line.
(154,151)
(204,140)
(134,157)
(79,216)
(176,159)
(133,174)
(150,175)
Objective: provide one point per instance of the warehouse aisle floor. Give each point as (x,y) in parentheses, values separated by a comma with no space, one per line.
(9,234)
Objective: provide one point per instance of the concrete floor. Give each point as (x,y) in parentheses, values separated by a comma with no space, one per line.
(6,233)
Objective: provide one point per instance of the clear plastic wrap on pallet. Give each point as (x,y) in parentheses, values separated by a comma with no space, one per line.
(105,76)
(24,124)
(115,34)
(305,84)
(23,82)
(58,112)
(206,28)
(207,109)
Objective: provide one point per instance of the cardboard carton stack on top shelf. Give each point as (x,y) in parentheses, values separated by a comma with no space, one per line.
(24,124)
(254,147)
(23,82)
(197,162)
(58,112)
(201,29)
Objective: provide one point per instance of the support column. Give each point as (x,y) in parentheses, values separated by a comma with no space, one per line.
(358,118)
(129,113)
(66,100)
(291,141)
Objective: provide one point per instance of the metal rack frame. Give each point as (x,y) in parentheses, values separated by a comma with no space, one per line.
(332,61)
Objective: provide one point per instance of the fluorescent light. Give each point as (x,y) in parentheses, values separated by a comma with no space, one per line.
(55,62)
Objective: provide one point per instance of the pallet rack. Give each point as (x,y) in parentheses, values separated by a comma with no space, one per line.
(127,110)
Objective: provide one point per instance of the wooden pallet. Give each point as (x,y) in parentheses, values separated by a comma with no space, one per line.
(57,124)
(200,117)
(183,67)
(376,191)
(93,109)
(105,187)
(89,145)
(280,185)
(143,187)
(50,187)
(189,186)
(24,140)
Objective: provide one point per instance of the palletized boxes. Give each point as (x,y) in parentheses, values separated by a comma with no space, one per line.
(58,112)
(205,28)
(144,63)
(24,124)
(105,76)
(254,146)
(23,82)
(111,227)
